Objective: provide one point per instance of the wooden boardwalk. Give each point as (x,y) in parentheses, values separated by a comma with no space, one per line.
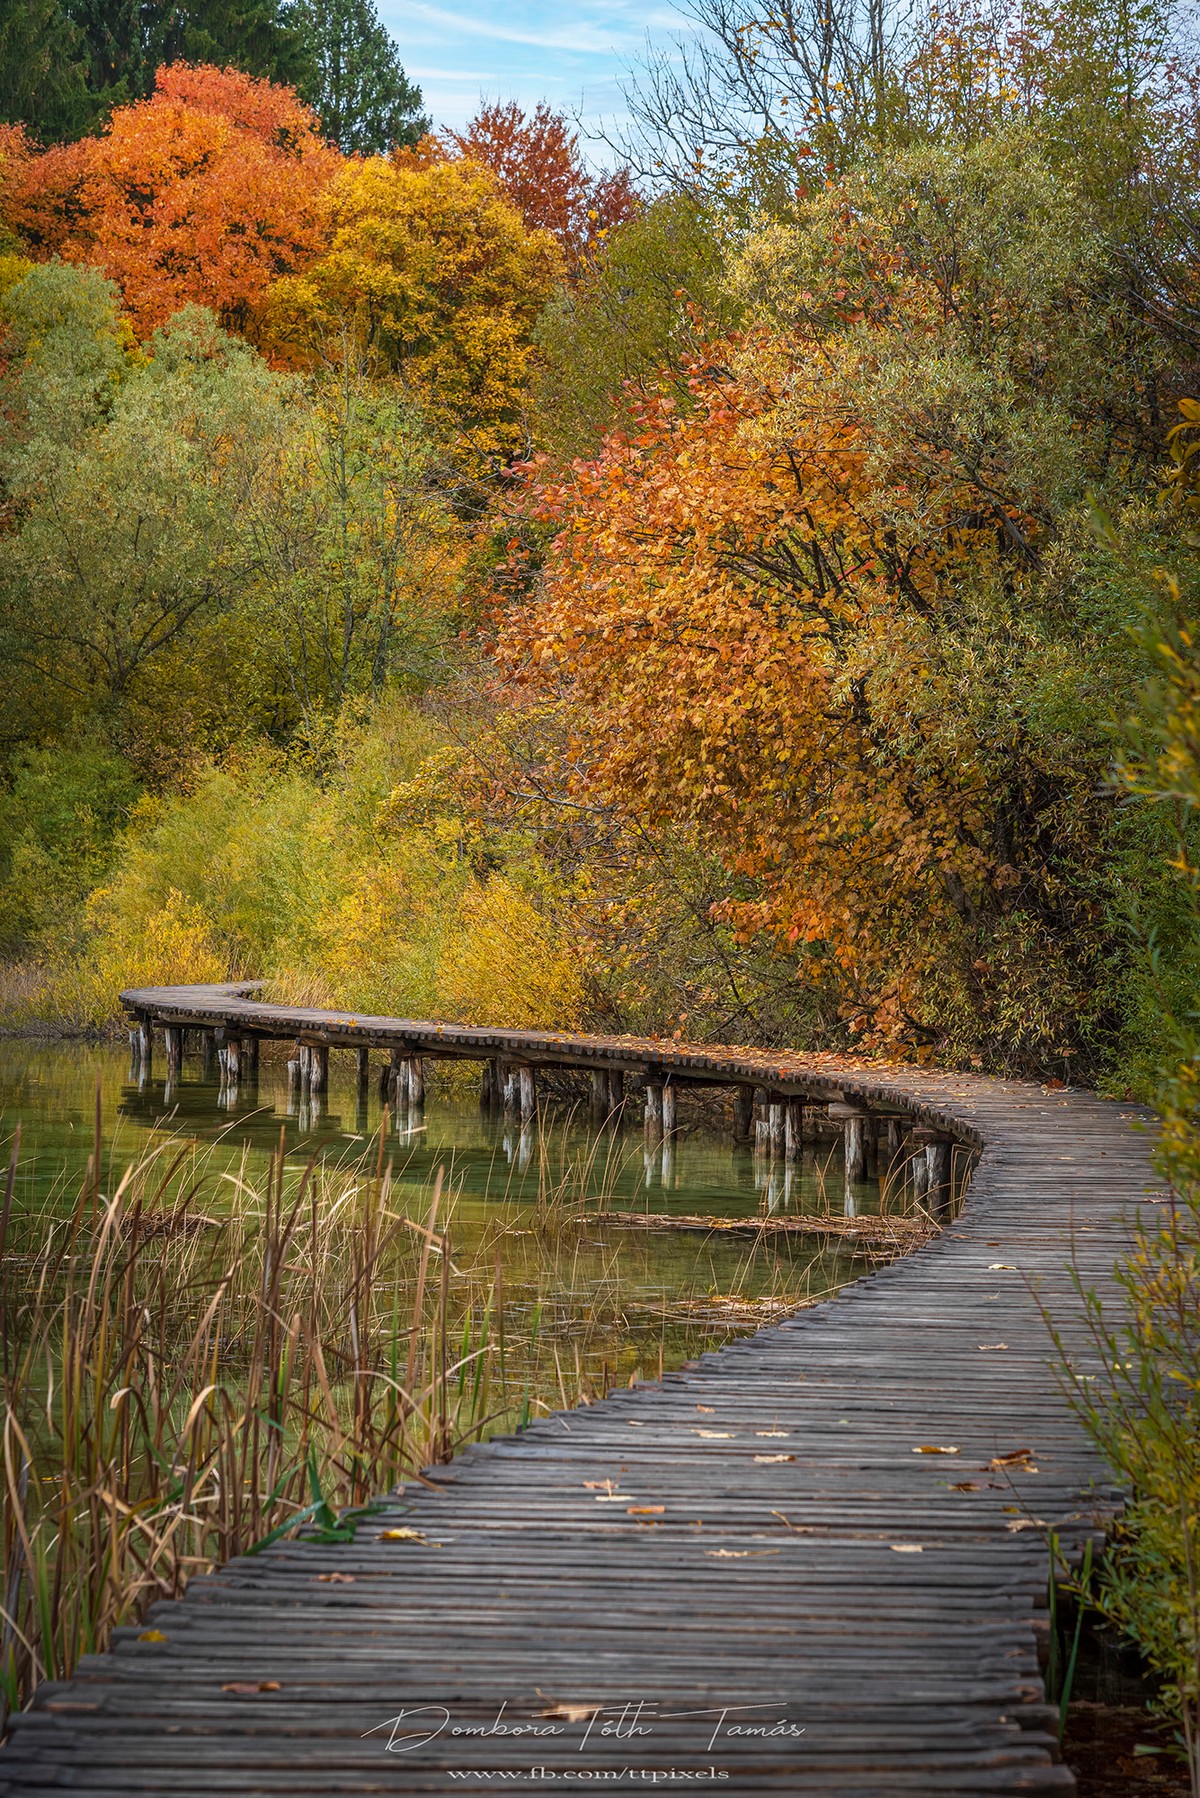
(745,1579)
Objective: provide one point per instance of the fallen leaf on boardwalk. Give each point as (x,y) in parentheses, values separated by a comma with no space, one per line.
(799,1529)
(599,1485)
(252,1685)
(716,1435)
(1001,1267)
(931,1448)
(571,1713)
(763,1460)
(401,1535)
(1014,1459)
(153,1635)
(336,1579)
(739,1554)
(633,1423)
(646,1510)
(966,1486)
(772,1432)
(907,1548)
(710,1409)
(1025,1523)
(986,1347)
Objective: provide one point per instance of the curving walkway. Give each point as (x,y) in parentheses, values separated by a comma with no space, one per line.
(854,1618)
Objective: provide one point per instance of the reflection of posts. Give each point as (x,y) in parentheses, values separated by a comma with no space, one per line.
(173,1042)
(524,1148)
(526,1094)
(364,1074)
(668,1162)
(668,1109)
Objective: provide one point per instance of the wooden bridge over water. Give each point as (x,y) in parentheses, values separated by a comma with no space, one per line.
(814,1561)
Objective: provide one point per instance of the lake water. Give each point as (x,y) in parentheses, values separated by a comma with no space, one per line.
(605,1302)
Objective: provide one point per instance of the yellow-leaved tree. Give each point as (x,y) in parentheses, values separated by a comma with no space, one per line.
(437,275)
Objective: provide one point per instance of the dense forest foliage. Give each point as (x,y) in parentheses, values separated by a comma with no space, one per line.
(729,594)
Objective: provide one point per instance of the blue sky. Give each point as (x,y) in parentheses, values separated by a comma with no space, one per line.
(572,55)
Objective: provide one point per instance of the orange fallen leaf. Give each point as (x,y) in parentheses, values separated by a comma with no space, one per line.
(153,1635)
(646,1510)
(710,1409)
(764,1460)
(252,1685)
(1014,1459)
(966,1486)
(336,1579)
(931,1448)
(404,1535)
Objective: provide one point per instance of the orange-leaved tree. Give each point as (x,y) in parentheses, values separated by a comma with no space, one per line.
(753,650)
(537,162)
(436,275)
(206,192)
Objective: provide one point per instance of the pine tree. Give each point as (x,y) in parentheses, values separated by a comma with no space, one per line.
(358,86)
(44,72)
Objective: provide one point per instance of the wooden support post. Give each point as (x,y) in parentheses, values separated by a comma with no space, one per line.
(919,1166)
(776,1128)
(173,1037)
(141,1045)
(598,1101)
(937,1177)
(490,1097)
(654,1111)
(250,1048)
(793,1130)
(668,1109)
(363,1057)
(743,1114)
(854,1137)
(895,1138)
(526,1094)
(509,1088)
(318,1062)
(616,1092)
(208,1053)
(231,1060)
(416,1080)
(397,1079)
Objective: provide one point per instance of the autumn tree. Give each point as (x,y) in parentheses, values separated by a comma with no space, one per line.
(205,193)
(436,275)
(539,166)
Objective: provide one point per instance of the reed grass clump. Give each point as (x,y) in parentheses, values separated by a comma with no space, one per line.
(182,1384)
